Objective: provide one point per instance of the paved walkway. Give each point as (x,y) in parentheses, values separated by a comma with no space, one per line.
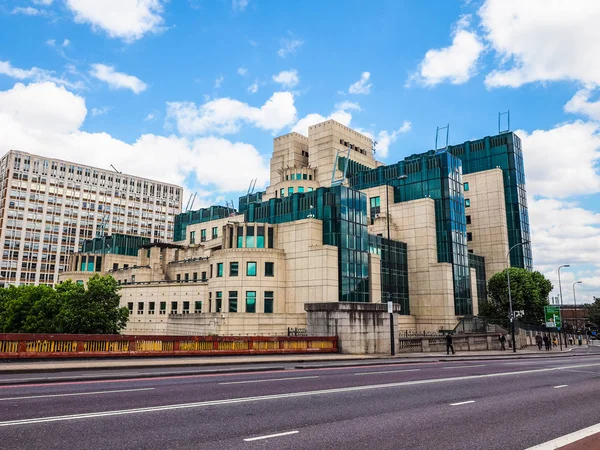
(199,361)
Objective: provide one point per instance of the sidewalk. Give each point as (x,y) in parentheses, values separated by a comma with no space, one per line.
(24,366)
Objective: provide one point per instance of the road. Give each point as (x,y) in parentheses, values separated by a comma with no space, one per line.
(486,404)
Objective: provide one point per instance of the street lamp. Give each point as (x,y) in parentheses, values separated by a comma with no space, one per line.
(561,303)
(575,304)
(510,305)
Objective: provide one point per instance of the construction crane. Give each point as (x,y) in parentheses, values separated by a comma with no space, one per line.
(115,169)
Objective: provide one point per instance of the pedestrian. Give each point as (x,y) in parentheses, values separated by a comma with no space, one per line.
(554,341)
(502,340)
(546,342)
(449,345)
(538,341)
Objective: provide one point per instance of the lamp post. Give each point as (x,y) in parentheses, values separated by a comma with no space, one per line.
(510,305)
(561,304)
(575,305)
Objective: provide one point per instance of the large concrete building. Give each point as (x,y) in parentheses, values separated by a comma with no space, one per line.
(334,225)
(49,207)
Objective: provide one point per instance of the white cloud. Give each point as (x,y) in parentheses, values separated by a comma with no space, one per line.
(45,119)
(149,117)
(253,88)
(51,42)
(347,106)
(100,111)
(562,161)
(289,46)
(123,19)
(35,74)
(219,81)
(581,104)
(226,115)
(242,71)
(287,78)
(28,11)
(239,5)
(540,40)
(455,64)
(117,80)
(362,86)
(341,114)
(66,43)
(385,139)
(43,2)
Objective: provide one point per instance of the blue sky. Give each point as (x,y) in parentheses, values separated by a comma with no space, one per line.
(193,91)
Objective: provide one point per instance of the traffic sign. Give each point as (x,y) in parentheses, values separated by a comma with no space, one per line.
(552,315)
(390,307)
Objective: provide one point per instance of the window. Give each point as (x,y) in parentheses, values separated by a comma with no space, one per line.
(310,189)
(173,307)
(300,189)
(249,237)
(202,235)
(219,299)
(466,187)
(116,266)
(186,308)
(251,269)
(198,306)
(186,277)
(192,237)
(468,220)
(219,270)
(130,307)
(270,237)
(305,176)
(140,308)
(290,190)
(269,269)
(215,232)
(163,307)
(240,237)
(469,237)
(282,192)
(178,277)
(375,202)
(211,272)
(151,307)
(195,276)
(260,237)
(250,301)
(268,302)
(467,202)
(204,276)
(233,269)
(233,298)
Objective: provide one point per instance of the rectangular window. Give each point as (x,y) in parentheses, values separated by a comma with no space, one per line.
(140,308)
(260,237)
(178,277)
(269,269)
(233,298)
(249,237)
(290,190)
(305,176)
(173,307)
(186,277)
(219,270)
(198,306)
(268,302)
(300,189)
(375,202)
(211,271)
(202,235)
(250,301)
(240,237)
(186,307)
(215,232)
(233,269)
(219,299)
(116,266)
(469,237)
(467,202)
(163,307)
(310,189)
(192,237)
(204,276)
(270,237)
(282,192)
(251,269)
(130,307)
(195,276)
(151,306)
(468,220)
(466,187)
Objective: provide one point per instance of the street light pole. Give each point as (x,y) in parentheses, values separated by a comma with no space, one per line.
(510,305)
(561,304)
(575,305)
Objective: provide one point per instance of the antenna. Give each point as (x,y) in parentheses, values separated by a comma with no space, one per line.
(374,148)
(252,186)
(339,181)
(190,202)
(437,131)
(507,114)
(115,169)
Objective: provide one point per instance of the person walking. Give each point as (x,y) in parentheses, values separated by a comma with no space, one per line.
(449,345)
(546,341)
(538,341)
(554,341)
(502,340)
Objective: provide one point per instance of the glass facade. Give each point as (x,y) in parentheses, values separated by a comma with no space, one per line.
(503,151)
(117,244)
(478,263)
(199,216)
(394,270)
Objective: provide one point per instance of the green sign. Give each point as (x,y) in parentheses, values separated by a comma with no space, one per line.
(552,314)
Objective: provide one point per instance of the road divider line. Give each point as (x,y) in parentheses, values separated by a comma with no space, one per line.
(387,371)
(463,367)
(76,393)
(567,439)
(269,436)
(279,396)
(561,386)
(462,403)
(268,380)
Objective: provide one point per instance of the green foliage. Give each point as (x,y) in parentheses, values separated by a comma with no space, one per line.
(529,292)
(593,312)
(68,308)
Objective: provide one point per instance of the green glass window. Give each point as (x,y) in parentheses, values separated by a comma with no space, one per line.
(186,277)
(195,276)
(282,192)
(204,276)
(269,269)
(202,235)
(290,190)
(233,269)
(192,237)
(260,237)
(186,307)
(163,307)
(304,176)
(249,237)
(173,307)
(375,202)
(233,298)
(198,306)
(300,189)
(310,189)
(151,307)
(219,269)
(215,232)
(466,185)
(240,237)
(270,237)
(251,269)
(268,308)
(219,299)
(467,202)
(250,301)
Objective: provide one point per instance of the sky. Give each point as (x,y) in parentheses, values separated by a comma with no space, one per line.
(194,91)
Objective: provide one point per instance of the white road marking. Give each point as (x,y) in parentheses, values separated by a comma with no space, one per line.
(561,386)
(76,393)
(463,367)
(387,371)
(462,403)
(279,396)
(268,436)
(268,380)
(567,439)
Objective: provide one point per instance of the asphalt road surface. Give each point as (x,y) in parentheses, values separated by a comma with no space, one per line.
(485,404)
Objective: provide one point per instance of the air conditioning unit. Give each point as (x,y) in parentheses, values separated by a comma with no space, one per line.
(377,216)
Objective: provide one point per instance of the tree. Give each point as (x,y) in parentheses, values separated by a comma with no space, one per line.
(593,312)
(529,291)
(68,308)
